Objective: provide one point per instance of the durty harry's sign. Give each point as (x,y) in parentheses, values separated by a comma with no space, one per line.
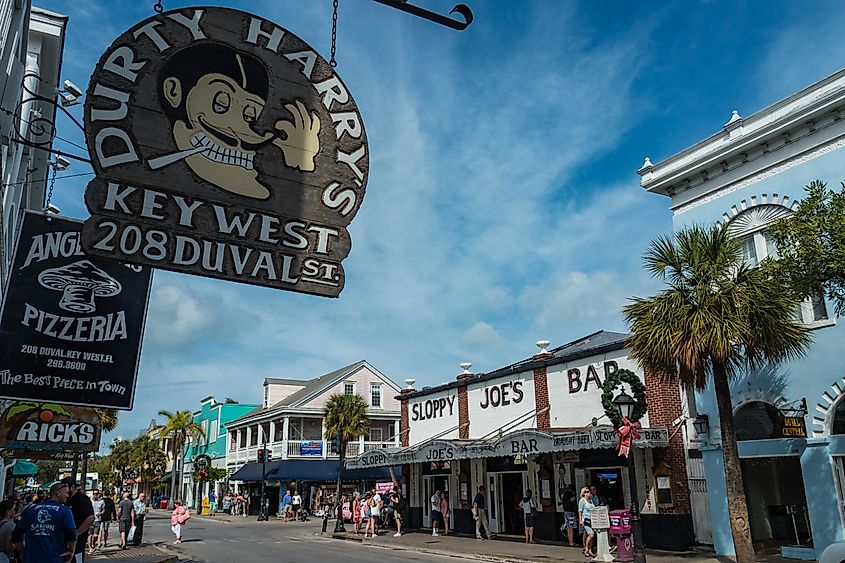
(71,324)
(223,146)
(48,430)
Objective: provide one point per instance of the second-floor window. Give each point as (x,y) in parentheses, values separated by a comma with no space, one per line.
(376,435)
(349,388)
(375,394)
(212,431)
(756,245)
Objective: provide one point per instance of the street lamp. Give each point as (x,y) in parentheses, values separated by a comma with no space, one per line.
(701,424)
(626,403)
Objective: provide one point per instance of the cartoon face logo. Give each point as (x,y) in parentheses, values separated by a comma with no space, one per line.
(43,516)
(214,97)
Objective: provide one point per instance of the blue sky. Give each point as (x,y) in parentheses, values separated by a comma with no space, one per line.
(503,204)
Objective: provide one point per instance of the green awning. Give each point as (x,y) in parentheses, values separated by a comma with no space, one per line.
(24,468)
(48,485)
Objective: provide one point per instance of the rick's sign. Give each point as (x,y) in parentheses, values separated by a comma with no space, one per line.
(48,430)
(223,146)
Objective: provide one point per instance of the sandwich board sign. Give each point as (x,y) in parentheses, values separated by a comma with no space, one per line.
(71,325)
(223,146)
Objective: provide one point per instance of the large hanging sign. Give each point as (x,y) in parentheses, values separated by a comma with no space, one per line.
(223,146)
(48,431)
(71,325)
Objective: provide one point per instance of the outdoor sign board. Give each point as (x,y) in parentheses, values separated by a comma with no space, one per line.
(223,146)
(314,448)
(793,427)
(71,325)
(600,518)
(518,443)
(48,430)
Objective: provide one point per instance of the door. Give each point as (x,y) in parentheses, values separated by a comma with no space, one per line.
(426,501)
(494,511)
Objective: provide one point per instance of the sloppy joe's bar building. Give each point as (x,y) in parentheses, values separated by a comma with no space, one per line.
(539,425)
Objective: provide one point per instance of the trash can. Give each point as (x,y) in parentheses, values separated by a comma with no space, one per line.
(620,528)
(162,504)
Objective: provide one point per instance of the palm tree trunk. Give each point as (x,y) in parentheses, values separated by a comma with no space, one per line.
(737,506)
(172,476)
(341,454)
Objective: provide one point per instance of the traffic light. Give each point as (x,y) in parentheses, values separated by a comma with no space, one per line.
(261,455)
(334,446)
(269,455)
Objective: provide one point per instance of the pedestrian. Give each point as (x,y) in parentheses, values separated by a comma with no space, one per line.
(83,516)
(585,505)
(479,513)
(140,507)
(529,509)
(99,506)
(594,496)
(445,511)
(7,526)
(367,509)
(125,519)
(239,501)
(295,504)
(247,503)
(398,506)
(178,519)
(212,502)
(378,505)
(355,509)
(45,532)
(109,516)
(227,503)
(436,515)
(570,507)
(286,507)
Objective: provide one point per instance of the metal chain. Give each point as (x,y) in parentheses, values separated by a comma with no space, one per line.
(50,190)
(157,7)
(333,60)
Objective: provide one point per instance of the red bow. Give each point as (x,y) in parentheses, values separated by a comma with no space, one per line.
(627,432)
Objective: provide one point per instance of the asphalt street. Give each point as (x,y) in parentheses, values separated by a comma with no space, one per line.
(247,541)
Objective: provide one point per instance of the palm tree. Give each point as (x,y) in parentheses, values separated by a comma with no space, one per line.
(108,422)
(179,427)
(717,316)
(345,416)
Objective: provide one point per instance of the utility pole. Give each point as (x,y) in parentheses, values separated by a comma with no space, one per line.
(262,457)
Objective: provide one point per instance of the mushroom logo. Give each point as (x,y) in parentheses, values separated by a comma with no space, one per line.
(79,283)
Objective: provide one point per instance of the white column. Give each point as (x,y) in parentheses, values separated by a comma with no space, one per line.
(248,436)
(285,430)
(396,437)
(272,437)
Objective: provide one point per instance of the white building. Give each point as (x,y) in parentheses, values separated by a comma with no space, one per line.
(289,423)
(32,41)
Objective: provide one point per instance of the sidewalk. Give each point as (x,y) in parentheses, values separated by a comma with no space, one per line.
(505,551)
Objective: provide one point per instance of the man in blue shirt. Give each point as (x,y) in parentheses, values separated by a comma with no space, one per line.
(285,506)
(45,532)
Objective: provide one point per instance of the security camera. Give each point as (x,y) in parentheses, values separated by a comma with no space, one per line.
(52,209)
(61,163)
(72,88)
(68,99)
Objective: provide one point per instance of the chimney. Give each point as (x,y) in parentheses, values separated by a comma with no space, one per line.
(543,353)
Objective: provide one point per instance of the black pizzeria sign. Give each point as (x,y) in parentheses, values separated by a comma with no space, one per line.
(223,146)
(71,325)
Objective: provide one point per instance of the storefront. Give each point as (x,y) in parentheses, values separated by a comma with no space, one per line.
(313,479)
(539,425)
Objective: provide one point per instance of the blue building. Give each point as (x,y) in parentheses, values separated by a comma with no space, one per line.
(214,418)
(748,174)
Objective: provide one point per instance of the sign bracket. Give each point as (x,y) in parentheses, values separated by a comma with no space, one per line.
(461,9)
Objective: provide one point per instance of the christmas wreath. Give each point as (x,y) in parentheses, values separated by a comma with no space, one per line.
(614,380)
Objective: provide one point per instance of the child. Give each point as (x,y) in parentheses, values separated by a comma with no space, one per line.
(178,519)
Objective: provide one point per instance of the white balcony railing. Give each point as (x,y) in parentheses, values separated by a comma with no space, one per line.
(378,445)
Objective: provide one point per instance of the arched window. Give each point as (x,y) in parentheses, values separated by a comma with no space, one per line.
(749,226)
(838,423)
(758,420)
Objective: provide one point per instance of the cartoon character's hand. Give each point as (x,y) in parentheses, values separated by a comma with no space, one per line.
(303,137)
